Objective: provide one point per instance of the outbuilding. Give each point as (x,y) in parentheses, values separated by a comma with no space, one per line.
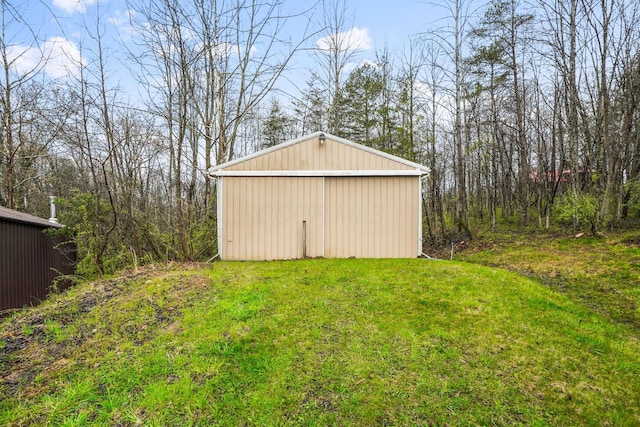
(30,259)
(319,196)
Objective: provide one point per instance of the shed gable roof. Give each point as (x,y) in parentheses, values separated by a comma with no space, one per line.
(17,216)
(334,154)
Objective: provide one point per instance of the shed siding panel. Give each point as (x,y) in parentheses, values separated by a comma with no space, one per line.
(311,155)
(371,217)
(29,263)
(262,217)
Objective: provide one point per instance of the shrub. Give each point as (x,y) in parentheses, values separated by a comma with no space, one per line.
(578,209)
(632,190)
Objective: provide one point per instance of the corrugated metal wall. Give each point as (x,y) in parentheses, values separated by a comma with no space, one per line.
(311,155)
(371,217)
(29,263)
(262,217)
(356,201)
(364,217)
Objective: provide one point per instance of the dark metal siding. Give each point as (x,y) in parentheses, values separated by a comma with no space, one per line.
(30,260)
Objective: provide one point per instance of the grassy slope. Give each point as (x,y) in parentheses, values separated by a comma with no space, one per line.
(319,342)
(600,273)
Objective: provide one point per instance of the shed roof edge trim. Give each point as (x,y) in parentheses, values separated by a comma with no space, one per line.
(388,156)
(12,215)
(311,172)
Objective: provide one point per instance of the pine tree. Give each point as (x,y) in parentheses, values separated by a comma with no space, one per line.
(361,98)
(276,127)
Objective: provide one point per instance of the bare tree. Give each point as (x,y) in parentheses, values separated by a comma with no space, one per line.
(508,31)
(17,86)
(451,40)
(337,50)
(208,66)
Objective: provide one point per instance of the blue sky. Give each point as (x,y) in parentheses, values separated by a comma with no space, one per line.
(59,27)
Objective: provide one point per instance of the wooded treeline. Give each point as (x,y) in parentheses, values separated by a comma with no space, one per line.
(525,112)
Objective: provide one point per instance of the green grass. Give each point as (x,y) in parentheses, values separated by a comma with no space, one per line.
(319,342)
(602,273)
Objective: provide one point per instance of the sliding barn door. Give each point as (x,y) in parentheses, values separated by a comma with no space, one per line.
(266,220)
(371,217)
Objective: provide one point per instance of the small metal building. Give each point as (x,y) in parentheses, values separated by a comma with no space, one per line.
(319,196)
(30,259)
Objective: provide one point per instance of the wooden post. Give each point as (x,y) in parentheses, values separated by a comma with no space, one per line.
(304,239)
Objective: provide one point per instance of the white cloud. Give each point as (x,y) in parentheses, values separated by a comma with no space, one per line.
(370,63)
(229,50)
(23,59)
(63,58)
(73,6)
(422,90)
(354,39)
(57,57)
(225,49)
(122,21)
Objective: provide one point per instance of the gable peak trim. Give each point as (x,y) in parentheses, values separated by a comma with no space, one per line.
(214,170)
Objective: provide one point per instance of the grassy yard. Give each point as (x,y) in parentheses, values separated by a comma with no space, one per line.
(319,342)
(602,273)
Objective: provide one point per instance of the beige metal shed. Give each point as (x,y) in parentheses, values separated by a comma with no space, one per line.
(319,196)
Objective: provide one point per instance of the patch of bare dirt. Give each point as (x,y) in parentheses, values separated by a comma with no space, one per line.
(633,241)
(27,347)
